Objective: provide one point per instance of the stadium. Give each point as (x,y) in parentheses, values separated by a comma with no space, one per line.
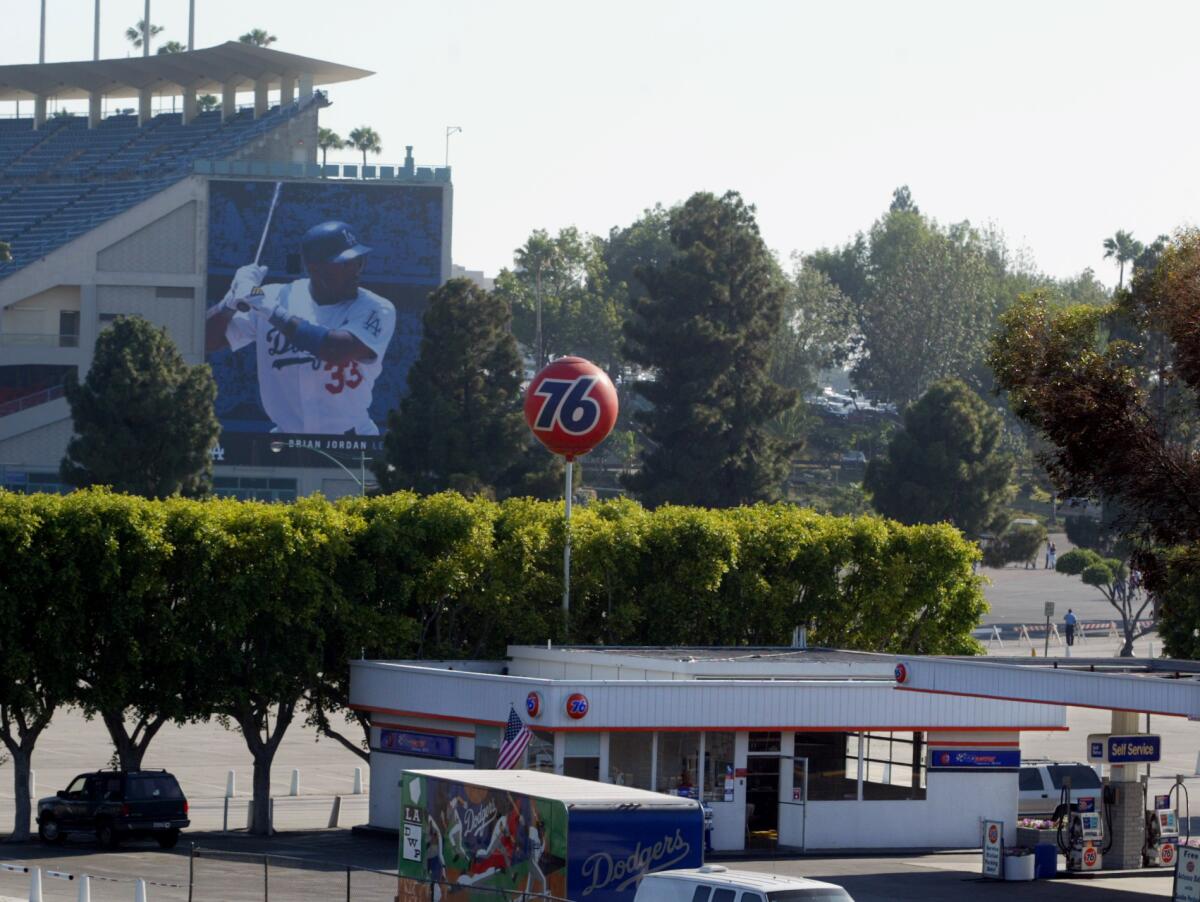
(186,168)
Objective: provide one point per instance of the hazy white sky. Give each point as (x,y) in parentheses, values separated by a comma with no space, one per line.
(1059,122)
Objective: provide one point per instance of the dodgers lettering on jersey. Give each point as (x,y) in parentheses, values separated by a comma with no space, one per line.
(301,393)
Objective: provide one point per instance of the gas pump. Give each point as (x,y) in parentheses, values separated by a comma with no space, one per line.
(1081,830)
(1162,826)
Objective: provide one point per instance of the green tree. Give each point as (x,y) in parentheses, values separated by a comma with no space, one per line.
(171,47)
(707,328)
(561,299)
(137,666)
(1019,544)
(461,425)
(5,252)
(946,464)
(38,649)
(258,37)
(327,140)
(365,139)
(144,419)
(136,34)
(815,332)
(1123,248)
(924,298)
(1111,578)
(208,102)
(266,576)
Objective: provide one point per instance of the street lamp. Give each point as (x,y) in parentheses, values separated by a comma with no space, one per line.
(451,130)
(361,482)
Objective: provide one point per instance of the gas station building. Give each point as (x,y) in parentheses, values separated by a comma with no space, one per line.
(799,748)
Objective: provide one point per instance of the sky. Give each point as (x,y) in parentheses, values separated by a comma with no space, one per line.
(1056,122)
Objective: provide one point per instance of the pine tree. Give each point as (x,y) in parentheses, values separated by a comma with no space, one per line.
(705,330)
(946,465)
(144,419)
(461,427)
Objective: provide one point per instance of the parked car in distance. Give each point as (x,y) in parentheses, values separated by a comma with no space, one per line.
(714,883)
(115,805)
(1040,785)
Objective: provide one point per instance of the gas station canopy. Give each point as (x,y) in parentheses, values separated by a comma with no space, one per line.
(1156,686)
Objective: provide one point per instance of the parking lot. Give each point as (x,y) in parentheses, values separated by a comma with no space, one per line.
(874,878)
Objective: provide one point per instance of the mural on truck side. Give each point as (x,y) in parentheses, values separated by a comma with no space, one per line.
(473,841)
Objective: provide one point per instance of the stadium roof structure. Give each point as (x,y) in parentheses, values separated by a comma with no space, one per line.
(205,70)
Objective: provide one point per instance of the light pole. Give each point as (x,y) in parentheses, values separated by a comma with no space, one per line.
(451,130)
(360,481)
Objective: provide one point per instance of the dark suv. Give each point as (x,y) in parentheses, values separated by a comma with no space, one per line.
(116,805)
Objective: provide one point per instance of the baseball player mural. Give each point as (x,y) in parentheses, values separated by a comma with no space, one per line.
(319,342)
(316,293)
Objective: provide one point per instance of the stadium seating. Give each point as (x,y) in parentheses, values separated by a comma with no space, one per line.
(58,182)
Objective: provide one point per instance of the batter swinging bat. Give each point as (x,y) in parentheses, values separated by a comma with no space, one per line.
(266,228)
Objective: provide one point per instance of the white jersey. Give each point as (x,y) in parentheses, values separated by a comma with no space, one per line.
(299,392)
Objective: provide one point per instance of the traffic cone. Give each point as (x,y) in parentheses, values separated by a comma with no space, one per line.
(35,885)
(85,889)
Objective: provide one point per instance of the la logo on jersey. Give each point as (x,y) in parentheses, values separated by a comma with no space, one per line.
(351,240)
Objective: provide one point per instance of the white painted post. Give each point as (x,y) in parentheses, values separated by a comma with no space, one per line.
(336,813)
(85,889)
(358,781)
(230,785)
(139,891)
(295,790)
(35,885)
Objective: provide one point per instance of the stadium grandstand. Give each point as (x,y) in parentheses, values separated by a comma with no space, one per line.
(110,213)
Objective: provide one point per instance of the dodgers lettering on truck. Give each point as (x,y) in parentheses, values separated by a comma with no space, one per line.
(468,834)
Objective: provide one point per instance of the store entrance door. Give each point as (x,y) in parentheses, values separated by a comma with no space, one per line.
(762,790)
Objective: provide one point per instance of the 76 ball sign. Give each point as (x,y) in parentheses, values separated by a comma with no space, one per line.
(571,406)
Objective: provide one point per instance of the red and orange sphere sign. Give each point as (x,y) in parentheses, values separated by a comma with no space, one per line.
(571,406)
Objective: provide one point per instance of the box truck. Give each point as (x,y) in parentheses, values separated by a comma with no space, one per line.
(467,834)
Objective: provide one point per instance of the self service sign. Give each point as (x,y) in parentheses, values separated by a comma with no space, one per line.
(1108,749)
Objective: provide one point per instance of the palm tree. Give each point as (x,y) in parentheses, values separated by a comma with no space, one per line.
(137,34)
(171,47)
(207,102)
(365,138)
(327,140)
(258,37)
(1122,247)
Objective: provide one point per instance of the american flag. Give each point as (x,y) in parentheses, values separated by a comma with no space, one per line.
(516,737)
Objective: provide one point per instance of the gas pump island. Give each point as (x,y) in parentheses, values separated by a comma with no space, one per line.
(1121,827)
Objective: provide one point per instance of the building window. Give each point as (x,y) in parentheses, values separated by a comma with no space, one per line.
(893,765)
(678,763)
(629,756)
(539,754)
(764,742)
(718,766)
(68,328)
(832,771)
(254,488)
(487,747)
(167,291)
(581,756)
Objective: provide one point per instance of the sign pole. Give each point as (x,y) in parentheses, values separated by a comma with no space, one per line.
(567,545)
(1049,609)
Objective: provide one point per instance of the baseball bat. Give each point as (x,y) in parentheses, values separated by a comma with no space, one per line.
(266,228)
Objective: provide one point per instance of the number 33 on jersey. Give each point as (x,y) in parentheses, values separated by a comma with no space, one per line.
(571,406)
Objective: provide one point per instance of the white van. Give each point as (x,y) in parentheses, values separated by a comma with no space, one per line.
(713,883)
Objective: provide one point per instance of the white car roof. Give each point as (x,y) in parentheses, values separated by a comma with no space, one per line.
(716,874)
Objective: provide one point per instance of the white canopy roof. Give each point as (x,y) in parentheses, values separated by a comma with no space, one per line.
(1160,687)
(204,71)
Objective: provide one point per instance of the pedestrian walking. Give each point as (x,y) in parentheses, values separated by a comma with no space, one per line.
(1053,555)
(1048,547)
(1069,622)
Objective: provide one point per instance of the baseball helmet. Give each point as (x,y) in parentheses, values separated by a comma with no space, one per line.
(331,242)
